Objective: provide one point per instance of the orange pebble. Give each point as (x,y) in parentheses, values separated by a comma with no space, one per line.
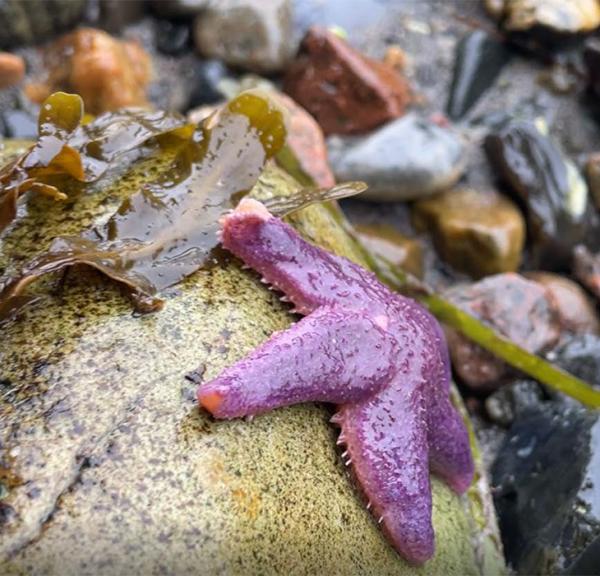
(12,69)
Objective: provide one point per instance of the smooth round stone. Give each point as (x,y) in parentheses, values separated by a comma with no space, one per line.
(576,311)
(250,34)
(12,70)
(476,232)
(405,160)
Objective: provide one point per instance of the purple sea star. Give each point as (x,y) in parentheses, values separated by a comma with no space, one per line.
(377,355)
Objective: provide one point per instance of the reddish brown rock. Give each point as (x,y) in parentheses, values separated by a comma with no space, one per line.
(306,140)
(344,90)
(305,137)
(517,308)
(587,269)
(108,73)
(575,309)
(12,69)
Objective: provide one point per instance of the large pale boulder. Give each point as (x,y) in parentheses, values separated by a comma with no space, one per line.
(109,467)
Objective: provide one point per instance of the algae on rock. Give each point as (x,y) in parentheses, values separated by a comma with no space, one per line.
(107,464)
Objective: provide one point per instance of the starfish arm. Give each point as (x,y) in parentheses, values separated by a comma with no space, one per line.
(308,275)
(449,447)
(333,355)
(386,440)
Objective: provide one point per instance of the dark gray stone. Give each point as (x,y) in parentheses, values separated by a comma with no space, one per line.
(479,59)
(547,490)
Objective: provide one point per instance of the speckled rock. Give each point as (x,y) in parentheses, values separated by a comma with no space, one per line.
(558,16)
(517,308)
(386,241)
(344,90)
(249,34)
(108,467)
(36,20)
(394,170)
(576,311)
(481,233)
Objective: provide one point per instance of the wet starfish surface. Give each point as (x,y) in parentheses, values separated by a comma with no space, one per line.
(380,357)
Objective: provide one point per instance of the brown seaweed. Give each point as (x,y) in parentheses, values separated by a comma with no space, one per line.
(166,231)
(67,147)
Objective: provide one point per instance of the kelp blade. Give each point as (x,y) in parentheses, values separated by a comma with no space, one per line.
(167,230)
(66,147)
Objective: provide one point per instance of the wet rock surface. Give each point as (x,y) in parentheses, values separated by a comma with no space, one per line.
(591,56)
(547,183)
(546,489)
(395,171)
(344,90)
(546,483)
(178,8)
(517,308)
(479,59)
(172,38)
(480,233)
(250,34)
